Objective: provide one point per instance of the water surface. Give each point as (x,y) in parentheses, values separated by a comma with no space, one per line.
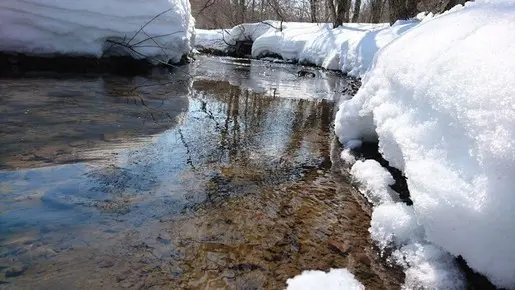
(216,175)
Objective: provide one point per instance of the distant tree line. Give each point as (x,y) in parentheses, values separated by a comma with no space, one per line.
(212,14)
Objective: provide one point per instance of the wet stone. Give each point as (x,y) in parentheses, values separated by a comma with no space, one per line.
(342,248)
(106,263)
(77,143)
(15,271)
(363,258)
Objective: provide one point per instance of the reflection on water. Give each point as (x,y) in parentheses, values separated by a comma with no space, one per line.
(272,79)
(52,120)
(223,185)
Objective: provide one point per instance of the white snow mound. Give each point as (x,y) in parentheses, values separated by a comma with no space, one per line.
(395,224)
(336,279)
(440,99)
(374,181)
(212,39)
(349,48)
(82,27)
(428,267)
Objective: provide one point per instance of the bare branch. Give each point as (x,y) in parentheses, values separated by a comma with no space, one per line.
(148,22)
(153,40)
(130,48)
(208,4)
(154,37)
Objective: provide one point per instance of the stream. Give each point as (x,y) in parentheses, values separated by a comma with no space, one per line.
(216,175)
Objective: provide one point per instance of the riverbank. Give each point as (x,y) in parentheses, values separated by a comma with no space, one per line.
(445,119)
(16,64)
(422,103)
(349,48)
(437,99)
(99,36)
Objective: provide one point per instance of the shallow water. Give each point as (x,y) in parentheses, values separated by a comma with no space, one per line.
(217,175)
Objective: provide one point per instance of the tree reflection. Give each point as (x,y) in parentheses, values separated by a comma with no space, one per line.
(262,140)
(71,115)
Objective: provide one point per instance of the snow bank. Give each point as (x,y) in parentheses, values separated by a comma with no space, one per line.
(428,267)
(336,279)
(394,223)
(440,99)
(212,39)
(357,52)
(82,27)
(221,39)
(374,181)
(252,31)
(288,42)
(349,48)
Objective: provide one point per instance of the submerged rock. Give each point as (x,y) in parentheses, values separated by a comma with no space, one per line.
(15,271)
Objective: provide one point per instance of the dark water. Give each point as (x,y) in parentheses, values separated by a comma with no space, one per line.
(215,176)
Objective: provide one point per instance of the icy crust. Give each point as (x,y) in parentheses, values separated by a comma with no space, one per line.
(440,100)
(44,27)
(336,279)
(428,267)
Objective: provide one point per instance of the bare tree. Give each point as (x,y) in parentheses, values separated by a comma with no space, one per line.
(411,8)
(402,9)
(451,4)
(376,9)
(334,14)
(253,11)
(206,5)
(228,13)
(313,8)
(340,12)
(239,11)
(357,8)
(397,10)
(346,11)
(277,9)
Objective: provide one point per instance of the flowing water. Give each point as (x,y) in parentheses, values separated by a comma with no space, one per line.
(215,175)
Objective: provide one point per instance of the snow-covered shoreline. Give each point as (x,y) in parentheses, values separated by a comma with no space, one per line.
(440,102)
(74,28)
(349,48)
(438,95)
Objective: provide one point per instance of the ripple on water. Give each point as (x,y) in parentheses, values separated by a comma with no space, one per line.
(220,180)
